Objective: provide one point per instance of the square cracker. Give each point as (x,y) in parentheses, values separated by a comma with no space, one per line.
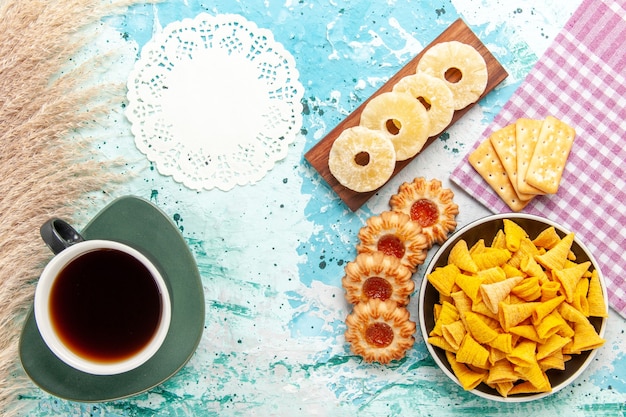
(551,152)
(504,143)
(526,135)
(485,161)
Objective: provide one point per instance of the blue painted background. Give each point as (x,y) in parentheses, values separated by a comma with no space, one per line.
(271,255)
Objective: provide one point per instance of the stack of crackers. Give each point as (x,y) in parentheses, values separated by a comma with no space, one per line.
(524,159)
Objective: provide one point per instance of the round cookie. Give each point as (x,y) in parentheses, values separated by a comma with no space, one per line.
(379,331)
(393,233)
(362,159)
(377,276)
(447,61)
(434,93)
(428,204)
(401,118)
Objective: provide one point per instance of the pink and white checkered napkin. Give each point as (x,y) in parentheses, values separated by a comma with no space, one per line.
(581,80)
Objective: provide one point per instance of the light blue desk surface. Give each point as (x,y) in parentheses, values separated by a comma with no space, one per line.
(271,255)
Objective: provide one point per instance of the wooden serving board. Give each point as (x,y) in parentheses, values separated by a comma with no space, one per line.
(318,155)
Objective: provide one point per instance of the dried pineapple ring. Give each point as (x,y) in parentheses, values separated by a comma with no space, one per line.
(362,159)
(401,118)
(380,331)
(437,97)
(445,58)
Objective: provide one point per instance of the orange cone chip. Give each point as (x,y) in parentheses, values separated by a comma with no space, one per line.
(499,240)
(580,297)
(595,297)
(504,388)
(566,331)
(470,284)
(501,371)
(443,278)
(462,302)
(547,238)
(527,331)
(491,275)
(528,289)
(549,290)
(528,388)
(490,258)
(472,353)
(467,378)
(495,355)
(513,314)
(585,338)
(546,307)
(454,333)
(553,344)
(532,268)
(523,355)
(479,329)
(443,298)
(526,249)
(503,342)
(460,256)
(448,314)
(479,247)
(437,309)
(550,325)
(492,322)
(481,308)
(555,361)
(514,234)
(494,293)
(514,299)
(440,342)
(555,258)
(572,315)
(535,376)
(510,271)
(569,278)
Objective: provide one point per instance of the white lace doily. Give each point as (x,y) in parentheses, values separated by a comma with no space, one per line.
(214,101)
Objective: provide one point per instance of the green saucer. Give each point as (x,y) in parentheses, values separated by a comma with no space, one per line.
(139,224)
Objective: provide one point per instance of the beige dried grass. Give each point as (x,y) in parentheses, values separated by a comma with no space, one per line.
(45,168)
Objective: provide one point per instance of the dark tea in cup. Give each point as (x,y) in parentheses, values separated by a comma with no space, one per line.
(105,305)
(101,306)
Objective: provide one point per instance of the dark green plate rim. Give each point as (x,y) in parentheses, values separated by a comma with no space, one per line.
(137,223)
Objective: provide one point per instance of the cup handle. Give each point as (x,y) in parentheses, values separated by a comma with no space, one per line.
(58,235)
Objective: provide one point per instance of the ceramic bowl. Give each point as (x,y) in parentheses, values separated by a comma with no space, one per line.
(486,228)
